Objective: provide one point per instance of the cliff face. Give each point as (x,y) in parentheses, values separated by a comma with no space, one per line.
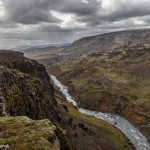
(25,88)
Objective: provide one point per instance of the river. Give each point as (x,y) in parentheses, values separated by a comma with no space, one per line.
(131,132)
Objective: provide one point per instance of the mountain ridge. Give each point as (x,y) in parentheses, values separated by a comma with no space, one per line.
(113,41)
(108,42)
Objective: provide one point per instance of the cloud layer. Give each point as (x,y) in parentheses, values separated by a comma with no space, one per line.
(56,21)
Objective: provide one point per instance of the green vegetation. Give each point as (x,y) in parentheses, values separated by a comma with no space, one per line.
(79,83)
(124,73)
(103,129)
(22,133)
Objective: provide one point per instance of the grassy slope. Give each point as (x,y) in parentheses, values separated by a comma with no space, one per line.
(117,73)
(22,133)
(107,133)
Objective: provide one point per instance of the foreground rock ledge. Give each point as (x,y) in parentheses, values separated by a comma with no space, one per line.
(22,133)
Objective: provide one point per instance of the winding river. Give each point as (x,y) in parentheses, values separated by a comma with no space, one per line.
(132,133)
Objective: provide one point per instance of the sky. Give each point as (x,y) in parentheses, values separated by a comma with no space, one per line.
(41,22)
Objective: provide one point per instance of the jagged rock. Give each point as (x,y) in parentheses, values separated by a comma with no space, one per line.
(65,107)
(25,88)
(82,125)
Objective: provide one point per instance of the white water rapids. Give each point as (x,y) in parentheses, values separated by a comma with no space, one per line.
(132,133)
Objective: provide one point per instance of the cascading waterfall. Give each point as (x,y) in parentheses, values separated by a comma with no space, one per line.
(132,133)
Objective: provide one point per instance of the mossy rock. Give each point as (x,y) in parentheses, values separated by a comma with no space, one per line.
(22,133)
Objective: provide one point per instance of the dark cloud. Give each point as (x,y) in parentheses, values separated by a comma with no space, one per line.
(51,28)
(122,10)
(92,13)
(29,11)
(36,11)
(81,9)
(57,21)
(128,10)
(8,25)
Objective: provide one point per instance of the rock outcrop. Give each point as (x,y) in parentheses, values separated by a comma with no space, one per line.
(22,133)
(26,90)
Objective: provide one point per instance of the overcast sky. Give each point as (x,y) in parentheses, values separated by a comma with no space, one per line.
(39,22)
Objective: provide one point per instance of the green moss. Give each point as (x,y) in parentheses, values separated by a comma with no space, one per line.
(22,133)
(79,83)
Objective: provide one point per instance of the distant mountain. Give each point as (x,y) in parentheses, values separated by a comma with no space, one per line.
(32,52)
(24,47)
(42,50)
(35,50)
(61,44)
(107,42)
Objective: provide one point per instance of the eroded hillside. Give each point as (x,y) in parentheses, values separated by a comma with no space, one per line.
(116,82)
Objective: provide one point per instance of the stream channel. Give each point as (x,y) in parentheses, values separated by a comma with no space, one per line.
(131,132)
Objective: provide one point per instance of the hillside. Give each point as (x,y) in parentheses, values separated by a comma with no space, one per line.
(107,42)
(115,82)
(46,55)
(114,41)
(112,69)
(33,51)
(34,114)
